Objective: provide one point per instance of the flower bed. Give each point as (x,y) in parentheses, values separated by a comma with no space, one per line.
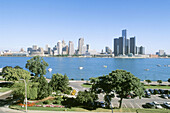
(52,106)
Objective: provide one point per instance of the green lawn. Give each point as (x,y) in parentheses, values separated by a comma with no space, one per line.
(4,89)
(97,110)
(157,87)
(86,86)
(146,86)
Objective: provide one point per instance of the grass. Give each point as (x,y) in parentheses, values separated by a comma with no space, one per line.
(146,86)
(157,87)
(97,110)
(4,89)
(86,86)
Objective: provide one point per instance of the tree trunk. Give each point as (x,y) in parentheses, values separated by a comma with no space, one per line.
(120,104)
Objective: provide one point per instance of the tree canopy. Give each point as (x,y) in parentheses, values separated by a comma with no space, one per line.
(37,65)
(120,81)
(44,90)
(59,82)
(14,74)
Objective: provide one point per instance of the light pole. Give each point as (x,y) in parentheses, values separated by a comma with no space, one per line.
(25,93)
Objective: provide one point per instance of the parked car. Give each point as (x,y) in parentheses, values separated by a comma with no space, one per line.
(151,91)
(168,95)
(164,96)
(157,105)
(147,94)
(167,104)
(156,91)
(162,91)
(102,104)
(150,105)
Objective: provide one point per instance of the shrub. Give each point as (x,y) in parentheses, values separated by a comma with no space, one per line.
(82,79)
(46,102)
(72,79)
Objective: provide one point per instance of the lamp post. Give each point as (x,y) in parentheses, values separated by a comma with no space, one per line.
(25,93)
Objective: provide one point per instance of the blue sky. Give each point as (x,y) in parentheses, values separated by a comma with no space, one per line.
(27,22)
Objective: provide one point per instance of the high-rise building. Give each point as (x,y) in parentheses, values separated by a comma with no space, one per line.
(63,44)
(133,45)
(137,50)
(116,46)
(142,50)
(88,47)
(128,46)
(161,52)
(121,45)
(59,47)
(84,50)
(80,45)
(71,48)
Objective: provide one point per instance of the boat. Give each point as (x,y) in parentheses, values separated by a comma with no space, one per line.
(80,68)
(105,66)
(146,69)
(159,65)
(50,69)
(168,65)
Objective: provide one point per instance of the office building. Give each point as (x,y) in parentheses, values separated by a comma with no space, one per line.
(133,45)
(59,47)
(116,46)
(142,50)
(34,47)
(88,47)
(121,45)
(71,48)
(80,45)
(161,53)
(108,50)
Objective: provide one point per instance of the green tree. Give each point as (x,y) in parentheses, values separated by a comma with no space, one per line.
(169,80)
(19,90)
(3,70)
(121,81)
(18,67)
(59,82)
(148,81)
(37,65)
(86,98)
(13,74)
(159,81)
(44,90)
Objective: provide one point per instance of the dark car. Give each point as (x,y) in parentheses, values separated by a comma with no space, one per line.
(150,105)
(152,91)
(147,94)
(156,91)
(168,95)
(162,91)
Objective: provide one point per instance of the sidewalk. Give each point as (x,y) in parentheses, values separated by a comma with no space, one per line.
(4,93)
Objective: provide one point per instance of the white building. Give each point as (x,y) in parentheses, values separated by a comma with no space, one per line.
(59,47)
(71,48)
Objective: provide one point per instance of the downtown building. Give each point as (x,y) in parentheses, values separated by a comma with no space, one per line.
(124,46)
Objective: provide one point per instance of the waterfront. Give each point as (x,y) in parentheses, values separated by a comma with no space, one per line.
(93,67)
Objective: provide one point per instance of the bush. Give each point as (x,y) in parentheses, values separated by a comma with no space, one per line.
(72,79)
(73,92)
(46,102)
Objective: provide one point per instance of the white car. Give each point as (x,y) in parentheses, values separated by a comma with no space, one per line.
(167,104)
(157,105)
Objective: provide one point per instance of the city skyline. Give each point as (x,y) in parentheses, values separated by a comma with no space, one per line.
(27,23)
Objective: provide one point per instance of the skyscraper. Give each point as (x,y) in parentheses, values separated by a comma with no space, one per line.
(71,48)
(128,46)
(116,46)
(59,47)
(124,35)
(133,45)
(142,50)
(80,45)
(88,47)
(121,45)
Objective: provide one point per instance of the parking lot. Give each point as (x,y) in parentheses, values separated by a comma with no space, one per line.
(127,103)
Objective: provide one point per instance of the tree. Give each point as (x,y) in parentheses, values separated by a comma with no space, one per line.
(148,81)
(169,80)
(60,82)
(19,90)
(18,67)
(44,90)
(37,65)
(120,81)
(159,81)
(86,98)
(13,74)
(3,70)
